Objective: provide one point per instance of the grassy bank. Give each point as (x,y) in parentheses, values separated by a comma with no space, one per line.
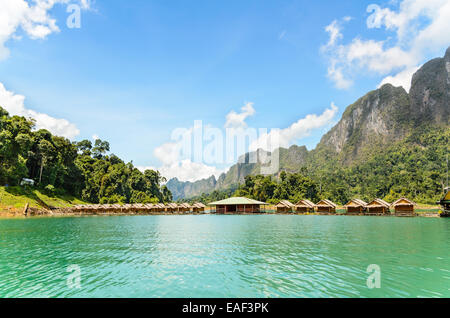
(18,197)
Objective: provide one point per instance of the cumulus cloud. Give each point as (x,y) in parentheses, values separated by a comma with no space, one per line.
(298,130)
(237,120)
(32,18)
(402,78)
(15,105)
(418,28)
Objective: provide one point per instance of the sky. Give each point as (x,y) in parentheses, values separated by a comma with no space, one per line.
(136,72)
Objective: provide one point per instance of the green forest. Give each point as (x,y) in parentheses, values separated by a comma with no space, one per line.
(83,169)
(414,168)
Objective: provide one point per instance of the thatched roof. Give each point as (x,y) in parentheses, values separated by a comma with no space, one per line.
(326,203)
(403,201)
(172,205)
(285,204)
(305,204)
(185,205)
(355,202)
(238,201)
(378,203)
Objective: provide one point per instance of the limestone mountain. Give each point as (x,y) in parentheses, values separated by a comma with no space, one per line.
(377,120)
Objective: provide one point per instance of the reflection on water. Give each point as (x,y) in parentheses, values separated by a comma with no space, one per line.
(224,256)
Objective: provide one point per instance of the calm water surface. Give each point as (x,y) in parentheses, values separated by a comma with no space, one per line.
(225,256)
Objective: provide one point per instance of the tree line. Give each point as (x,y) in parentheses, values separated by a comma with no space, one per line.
(83,169)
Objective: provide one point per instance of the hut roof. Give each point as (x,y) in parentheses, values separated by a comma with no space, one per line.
(403,201)
(285,203)
(185,205)
(326,202)
(149,205)
(172,205)
(377,203)
(305,204)
(355,202)
(199,205)
(238,201)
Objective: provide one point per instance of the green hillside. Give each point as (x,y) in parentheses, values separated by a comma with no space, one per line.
(17,197)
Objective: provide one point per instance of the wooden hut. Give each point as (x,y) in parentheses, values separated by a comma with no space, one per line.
(377,207)
(304,206)
(355,206)
(184,207)
(284,206)
(326,206)
(160,207)
(198,207)
(403,207)
(445,203)
(238,205)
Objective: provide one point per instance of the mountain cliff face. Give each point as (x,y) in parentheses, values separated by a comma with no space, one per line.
(375,121)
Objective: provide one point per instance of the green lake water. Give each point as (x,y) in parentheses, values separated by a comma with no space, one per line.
(224,256)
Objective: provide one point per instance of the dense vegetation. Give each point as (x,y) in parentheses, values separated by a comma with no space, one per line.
(414,167)
(81,169)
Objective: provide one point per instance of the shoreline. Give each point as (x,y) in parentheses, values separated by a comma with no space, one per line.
(14,213)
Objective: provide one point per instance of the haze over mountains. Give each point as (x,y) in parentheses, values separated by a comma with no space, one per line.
(377,120)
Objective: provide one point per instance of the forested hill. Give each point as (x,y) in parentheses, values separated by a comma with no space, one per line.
(81,169)
(388,143)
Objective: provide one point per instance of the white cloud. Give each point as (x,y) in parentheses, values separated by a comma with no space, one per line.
(186,170)
(298,130)
(402,78)
(419,29)
(15,105)
(31,17)
(237,120)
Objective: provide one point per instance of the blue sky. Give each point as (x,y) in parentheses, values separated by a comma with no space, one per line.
(136,70)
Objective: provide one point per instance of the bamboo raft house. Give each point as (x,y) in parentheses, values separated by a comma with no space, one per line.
(326,206)
(172,207)
(284,206)
(238,205)
(377,207)
(184,207)
(404,207)
(304,206)
(198,207)
(355,206)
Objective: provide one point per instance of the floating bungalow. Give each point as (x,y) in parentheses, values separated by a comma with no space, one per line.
(304,206)
(445,203)
(326,206)
(171,207)
(198,207)
(284,206)
(377,207)
(403,207)
(184,207)
(238,205)
(355,206)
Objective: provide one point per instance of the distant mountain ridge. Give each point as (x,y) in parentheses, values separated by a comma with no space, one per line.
(378,119)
